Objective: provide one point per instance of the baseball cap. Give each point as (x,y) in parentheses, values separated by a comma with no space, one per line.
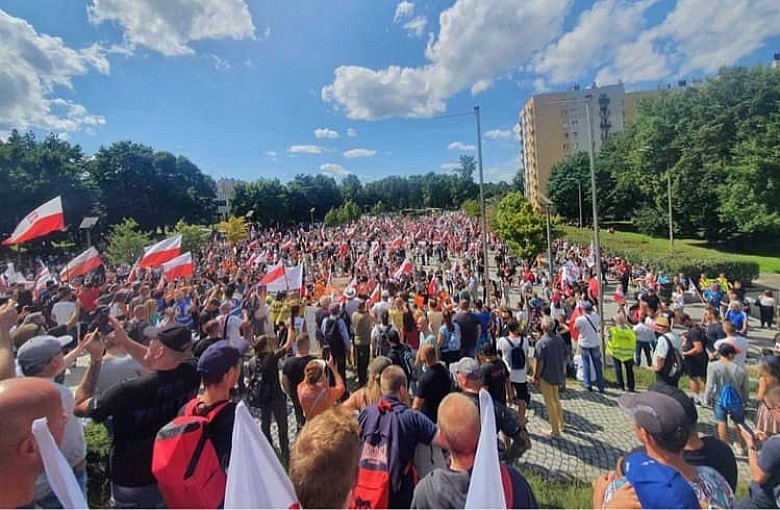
(173,336)
(662,321)
(24,333)
(658,485)
(771,360)
(469,367)
(349,293)
(41,349)
(586,305)
(679,395)
(657,413)
(218,358)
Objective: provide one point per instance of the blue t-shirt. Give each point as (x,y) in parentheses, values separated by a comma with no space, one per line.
(183,316)
(737,319)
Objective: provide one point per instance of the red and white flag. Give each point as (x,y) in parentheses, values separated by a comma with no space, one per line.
(43,220)
(255,477)
(179,267)
(375,295)
(397,243)
(343,250)
(160,253)
(81,265)
(288,246)
(375,248)
(361,261)
(432,288)
(43,278)
(405,268)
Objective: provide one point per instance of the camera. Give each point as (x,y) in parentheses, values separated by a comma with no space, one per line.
(99,319)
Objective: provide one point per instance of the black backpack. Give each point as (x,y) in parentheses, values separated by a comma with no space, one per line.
(517,355)
(672,369)
(258,390)
(333,335)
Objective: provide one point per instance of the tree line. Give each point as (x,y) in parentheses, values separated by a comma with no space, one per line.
(124,180)
(715,147)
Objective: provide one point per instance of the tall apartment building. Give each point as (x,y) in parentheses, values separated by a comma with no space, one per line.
(554,126)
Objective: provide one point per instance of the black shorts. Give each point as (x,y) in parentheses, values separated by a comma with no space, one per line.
(695,366)
(521,392)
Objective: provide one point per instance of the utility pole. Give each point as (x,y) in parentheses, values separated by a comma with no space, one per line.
(671,219)
(579,197)
(483,215)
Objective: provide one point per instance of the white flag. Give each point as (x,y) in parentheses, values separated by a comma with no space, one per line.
(485,488)
(255,478)
(58,471)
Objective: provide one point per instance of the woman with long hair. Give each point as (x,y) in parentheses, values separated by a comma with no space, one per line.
(448,339)
(768,378)
(314,393)
(370,393)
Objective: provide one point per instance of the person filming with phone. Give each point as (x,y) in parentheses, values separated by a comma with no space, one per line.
(763,461)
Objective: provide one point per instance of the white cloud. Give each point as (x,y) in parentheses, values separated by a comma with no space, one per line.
(169,26)
(219,63)
(266,34)
(352,132)
(403,10)
(607,25)
(495,134)
(416,26)
(334,169)
(449,167)
(517,129)
(696,36)
(478,40)
(481,86)
(359,153)
(32,67)
(460,146)
(248,62)
(271,154)
(325,133)
(305,149)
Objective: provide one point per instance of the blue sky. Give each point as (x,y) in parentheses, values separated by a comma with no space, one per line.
(274,88)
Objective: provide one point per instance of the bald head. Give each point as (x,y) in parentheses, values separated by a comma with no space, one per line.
(23,400)
(458,420)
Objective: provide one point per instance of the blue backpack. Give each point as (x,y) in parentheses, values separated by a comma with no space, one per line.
(380,475)
(731,400)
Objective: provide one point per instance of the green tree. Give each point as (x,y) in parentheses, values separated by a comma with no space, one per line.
(235,229)
(193,237)
(126,242)
(471,208)
(522,228)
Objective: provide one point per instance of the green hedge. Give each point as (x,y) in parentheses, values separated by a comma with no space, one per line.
(655,254)
(98,446)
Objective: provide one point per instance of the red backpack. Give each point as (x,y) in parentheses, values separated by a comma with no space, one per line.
(185,463)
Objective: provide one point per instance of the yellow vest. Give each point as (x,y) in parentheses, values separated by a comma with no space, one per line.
(622,343)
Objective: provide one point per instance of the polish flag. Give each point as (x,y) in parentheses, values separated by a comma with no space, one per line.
(361,261)
(43,278)
(375,295)
(43,220)
(432,287)
(160,253)
(343,250)
(406,268)
(375,248)
(252,245)
(485,487)
(179,267)
(288,245)
(274,273)
(81,265)
(397,243)
(255,477)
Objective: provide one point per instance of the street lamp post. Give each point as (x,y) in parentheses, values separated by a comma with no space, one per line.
(311,214)
(596,240)
(482,206)
(669,194)
(579,198)
(547,206)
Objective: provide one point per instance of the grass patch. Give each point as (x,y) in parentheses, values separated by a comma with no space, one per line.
(658,253)
(557,493)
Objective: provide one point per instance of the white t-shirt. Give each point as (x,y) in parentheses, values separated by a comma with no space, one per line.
(62,311)
(644,333)
(741,343)
(505,346)
(588,326)
(662,349)
(232,333)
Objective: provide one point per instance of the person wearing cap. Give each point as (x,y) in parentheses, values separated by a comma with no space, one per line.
(768,378)
(513,437)
(660,477)
(588,325)
(764,464)
(720,374)
(42,357)
(383,305)
(664,356)
(448,487)
(219,367)
(138,408)
(361,323)
(700,450)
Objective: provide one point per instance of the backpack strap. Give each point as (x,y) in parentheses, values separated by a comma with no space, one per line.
(507,484)
(209,412)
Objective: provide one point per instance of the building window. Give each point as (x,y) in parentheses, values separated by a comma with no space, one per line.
(566,134)
(574,122)
(574,134)
(576,146)
(566,146)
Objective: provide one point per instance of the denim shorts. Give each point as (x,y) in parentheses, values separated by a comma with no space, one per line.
(721,414)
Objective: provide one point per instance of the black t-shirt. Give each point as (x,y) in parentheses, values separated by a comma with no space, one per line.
(714,333)
(139,408)
(202,345)
(433,386)
(506,419)
(715,454)
(468,328)
(268,365)
(494,376)
(652,301)
(294,367)
(221,431)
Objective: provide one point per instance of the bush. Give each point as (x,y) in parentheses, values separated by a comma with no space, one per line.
(98,447)
(655,253)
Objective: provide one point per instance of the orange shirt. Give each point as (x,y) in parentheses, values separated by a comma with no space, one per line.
(318,398)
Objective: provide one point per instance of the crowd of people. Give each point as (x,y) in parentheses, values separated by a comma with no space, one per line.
(380,352)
